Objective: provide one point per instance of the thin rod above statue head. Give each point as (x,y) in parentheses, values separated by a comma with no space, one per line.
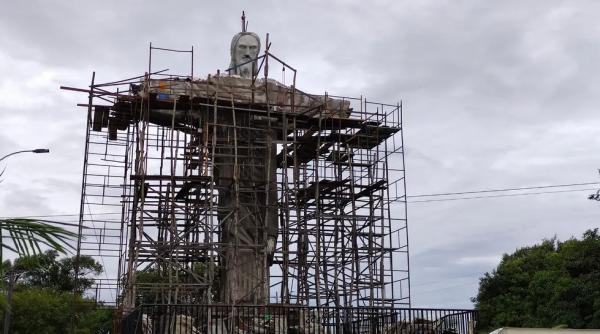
(244,24)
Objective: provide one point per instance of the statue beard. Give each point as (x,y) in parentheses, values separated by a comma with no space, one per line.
(245,71)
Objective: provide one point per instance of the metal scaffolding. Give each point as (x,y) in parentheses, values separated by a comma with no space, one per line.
(184,179)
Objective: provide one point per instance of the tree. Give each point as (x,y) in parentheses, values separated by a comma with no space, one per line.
(25,238)
(153,281)
(550,284)
(47,311)
(47,271)
(46,287)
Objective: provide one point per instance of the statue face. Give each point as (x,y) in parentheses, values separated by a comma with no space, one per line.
(246,49)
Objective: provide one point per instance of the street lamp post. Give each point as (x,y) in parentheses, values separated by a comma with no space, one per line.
(11,275)
(37,150)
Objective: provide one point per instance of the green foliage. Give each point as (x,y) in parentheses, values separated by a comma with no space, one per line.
(547,285)
(46,287)
(47,311)
(149,278)
(46,271)
(28,236)
(98,321)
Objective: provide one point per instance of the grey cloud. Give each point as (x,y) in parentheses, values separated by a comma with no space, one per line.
(495,94)
(19,197)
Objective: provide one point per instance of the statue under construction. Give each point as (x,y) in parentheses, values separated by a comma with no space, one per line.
(238,189)
(245,174)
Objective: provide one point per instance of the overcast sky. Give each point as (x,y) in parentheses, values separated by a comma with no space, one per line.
(496,94)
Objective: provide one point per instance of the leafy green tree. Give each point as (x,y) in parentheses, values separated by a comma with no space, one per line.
(551,284)
(47,311)
(47,271)
(47,288)
(152,281)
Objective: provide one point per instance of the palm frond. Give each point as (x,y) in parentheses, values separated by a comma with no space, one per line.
(26,236)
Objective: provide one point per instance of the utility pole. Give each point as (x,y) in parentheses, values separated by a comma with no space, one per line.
(8,312)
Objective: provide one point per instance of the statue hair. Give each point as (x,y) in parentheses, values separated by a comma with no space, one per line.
(234,42)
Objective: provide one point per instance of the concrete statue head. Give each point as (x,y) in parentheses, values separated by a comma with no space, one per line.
(245,46)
